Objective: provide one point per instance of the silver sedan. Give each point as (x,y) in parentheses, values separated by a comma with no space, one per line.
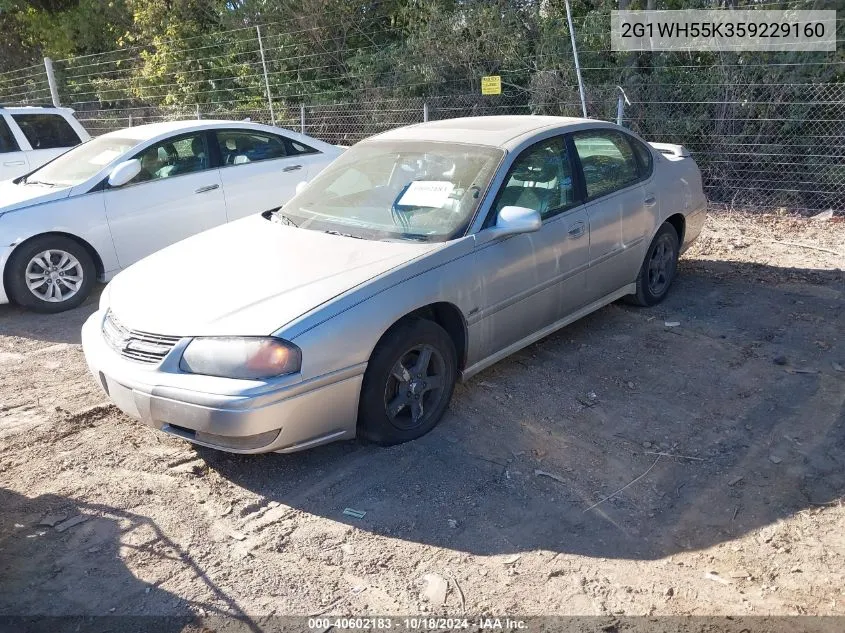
(418,258)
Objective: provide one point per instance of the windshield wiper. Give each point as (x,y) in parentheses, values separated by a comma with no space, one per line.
(39,182)
(416,237)
(284,219)
(357,237)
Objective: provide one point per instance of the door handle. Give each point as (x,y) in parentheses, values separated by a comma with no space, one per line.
(577,230)
(207,188)
(292,167)
(650,200)
(14,163)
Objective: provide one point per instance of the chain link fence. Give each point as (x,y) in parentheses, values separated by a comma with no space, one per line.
(767,136)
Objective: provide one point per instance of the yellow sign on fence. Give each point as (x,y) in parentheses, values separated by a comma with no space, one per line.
(491,85)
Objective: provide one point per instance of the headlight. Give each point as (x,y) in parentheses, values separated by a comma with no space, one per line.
(245,357)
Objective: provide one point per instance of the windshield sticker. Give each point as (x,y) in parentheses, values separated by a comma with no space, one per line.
(105,157)
(427,193)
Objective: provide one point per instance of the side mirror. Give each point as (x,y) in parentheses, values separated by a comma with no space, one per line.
(515,220)
(124,172)
(300,187)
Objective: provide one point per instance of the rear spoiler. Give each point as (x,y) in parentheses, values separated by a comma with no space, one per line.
(669,149)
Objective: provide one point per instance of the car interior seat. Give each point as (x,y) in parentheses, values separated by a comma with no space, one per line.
(195,162)
(534,183)
(240,156)
(169,158)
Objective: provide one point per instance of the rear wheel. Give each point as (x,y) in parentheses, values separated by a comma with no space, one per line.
(658,269)
(408,383)
(50,274)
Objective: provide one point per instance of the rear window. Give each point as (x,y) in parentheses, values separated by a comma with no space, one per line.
(46,131)
(7,140)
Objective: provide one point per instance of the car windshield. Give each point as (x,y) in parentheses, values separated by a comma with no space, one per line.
(413,190)
(83,161)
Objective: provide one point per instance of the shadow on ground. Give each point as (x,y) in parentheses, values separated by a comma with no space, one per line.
(55,328)
(710,429)
(56,577)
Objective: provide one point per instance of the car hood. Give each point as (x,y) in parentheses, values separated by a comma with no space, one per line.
(248,277)
(14,197)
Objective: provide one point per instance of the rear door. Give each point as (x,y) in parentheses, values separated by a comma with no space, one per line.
(48,134)
(260,170)
(616,206)
(177,194)
(13,161)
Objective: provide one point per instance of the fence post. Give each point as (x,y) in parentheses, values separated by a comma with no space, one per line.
(577,65)
(425,112)
(199,116)
(51,79)
(302,118)
(266,79)
(620,105)
(130,120)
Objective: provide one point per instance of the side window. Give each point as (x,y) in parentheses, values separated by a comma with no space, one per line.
(173,157)
(643,157)
(541,179)
(607,160)
(7,139)
(239,147)
(295,148)
(46,131)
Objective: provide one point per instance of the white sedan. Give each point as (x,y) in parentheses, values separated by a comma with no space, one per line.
(118,198)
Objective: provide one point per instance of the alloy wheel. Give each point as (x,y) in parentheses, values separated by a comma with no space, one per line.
(660,266)
(54,275)
(415,387)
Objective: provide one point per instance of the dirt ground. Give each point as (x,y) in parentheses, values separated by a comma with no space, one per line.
(620,466)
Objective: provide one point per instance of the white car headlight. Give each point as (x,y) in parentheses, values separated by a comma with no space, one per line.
(244,357)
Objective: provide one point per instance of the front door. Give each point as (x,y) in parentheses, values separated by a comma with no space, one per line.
(176,195)
(532,280)
(259,170)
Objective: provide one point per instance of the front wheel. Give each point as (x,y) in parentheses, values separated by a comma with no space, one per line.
(658,269)
(50,274)
(408,383)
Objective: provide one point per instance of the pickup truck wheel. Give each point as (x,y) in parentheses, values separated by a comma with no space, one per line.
(658,269)
(50,274)
(408,383)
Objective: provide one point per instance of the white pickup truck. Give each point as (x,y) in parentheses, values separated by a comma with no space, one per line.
(31,136)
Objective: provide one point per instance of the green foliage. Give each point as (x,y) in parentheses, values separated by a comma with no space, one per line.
(61,28)
(740,113)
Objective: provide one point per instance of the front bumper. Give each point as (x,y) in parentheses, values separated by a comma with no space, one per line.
(284,418)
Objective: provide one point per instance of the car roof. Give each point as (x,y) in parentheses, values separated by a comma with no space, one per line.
(154,130)
(496,131)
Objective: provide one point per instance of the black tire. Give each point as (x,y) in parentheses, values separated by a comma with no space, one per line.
(16,280)
(405,344)
(652,284)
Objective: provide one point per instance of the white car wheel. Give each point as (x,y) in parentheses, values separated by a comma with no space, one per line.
(54,275)
(51,273)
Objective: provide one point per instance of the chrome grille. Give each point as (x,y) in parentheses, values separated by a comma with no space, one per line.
(134,345)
